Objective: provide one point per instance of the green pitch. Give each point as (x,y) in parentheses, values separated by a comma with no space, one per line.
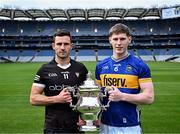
(18,116)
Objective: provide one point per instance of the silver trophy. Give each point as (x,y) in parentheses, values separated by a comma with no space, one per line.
(88,103)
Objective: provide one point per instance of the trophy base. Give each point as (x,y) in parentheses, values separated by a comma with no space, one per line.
(88,128)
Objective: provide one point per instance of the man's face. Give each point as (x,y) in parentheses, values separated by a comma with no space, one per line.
(120,43)
(62,46)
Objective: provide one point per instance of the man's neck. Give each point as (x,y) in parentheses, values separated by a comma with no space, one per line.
(62,61)
(120,57)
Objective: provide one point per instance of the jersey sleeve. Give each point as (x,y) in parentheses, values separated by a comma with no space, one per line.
(38,79)
(144,74)
(83,74)
(97,75)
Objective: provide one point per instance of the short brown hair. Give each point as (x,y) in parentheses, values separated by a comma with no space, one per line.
(119,28)
(62,32)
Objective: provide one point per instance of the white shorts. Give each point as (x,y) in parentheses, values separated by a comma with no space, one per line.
(105,129)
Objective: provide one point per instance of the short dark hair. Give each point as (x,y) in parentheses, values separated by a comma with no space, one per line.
(119,28)
(62,32)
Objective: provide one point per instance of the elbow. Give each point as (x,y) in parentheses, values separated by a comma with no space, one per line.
(32,101)
(150,100)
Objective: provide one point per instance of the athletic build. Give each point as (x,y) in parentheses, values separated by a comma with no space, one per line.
(49,87)
(130,81)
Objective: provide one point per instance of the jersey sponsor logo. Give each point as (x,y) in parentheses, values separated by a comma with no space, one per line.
(55,87)
(109,81)
(119,80)
(105,68)
(60,87)
(52,75)
(37,78)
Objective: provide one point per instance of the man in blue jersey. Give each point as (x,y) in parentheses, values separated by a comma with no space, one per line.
(129,79)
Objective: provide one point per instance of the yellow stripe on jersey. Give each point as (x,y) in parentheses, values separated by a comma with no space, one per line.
(98,82)
(144,80)
(119,80)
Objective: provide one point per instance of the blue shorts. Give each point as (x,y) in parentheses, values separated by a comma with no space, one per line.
(105,129)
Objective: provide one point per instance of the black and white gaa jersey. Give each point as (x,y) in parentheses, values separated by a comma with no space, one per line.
(54,78)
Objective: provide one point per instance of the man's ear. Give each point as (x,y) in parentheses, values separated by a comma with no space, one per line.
(72,46)
(130,39)
(110,40)
(53,45)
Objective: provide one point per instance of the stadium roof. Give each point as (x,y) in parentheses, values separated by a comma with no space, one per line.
(83,9)
(118,13)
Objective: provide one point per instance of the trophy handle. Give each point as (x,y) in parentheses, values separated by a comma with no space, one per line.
(103,107)
(102,95)
(74,94)
(77,104)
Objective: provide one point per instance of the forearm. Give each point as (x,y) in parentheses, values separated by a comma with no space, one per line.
(42,100)
(138,99)
(144,97)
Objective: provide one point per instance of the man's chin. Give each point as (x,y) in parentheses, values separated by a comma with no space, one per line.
(120,52)
(62,56)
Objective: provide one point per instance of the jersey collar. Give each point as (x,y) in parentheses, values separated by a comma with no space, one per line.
(122,58)
(62,66)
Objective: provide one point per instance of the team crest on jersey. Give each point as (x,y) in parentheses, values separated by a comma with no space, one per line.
(128,68)
(77,74)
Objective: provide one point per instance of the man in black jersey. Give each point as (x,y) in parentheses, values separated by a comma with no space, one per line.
(49,87)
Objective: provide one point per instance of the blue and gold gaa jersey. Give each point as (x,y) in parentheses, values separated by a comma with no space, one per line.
(126,75)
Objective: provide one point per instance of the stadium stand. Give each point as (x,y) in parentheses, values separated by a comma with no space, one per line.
(30,41)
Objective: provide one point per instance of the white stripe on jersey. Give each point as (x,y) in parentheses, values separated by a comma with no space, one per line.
(39,85)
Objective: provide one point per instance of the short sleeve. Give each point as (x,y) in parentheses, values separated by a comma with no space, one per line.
(97,75)
(144,73)
(38,79)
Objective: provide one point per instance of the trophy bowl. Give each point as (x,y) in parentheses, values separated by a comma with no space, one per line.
(92,104)
(89,106)
(89,103)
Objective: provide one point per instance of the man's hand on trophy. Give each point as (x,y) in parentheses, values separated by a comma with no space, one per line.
(81,122)
(97,122)
(63,97)
(115,94)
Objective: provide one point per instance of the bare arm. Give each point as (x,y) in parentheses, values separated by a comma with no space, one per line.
(39,99)
(145,97)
